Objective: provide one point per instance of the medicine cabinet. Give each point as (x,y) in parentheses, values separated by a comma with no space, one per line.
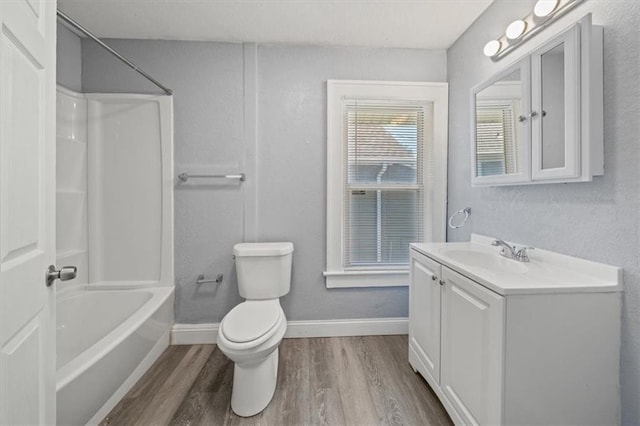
(540,119)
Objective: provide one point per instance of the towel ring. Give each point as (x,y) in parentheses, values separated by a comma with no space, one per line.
(466,212)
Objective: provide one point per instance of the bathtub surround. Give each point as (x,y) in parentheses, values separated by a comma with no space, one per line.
(115,223)
(72,235)
(106,200)
(595,221)
(217,86)
(130,196)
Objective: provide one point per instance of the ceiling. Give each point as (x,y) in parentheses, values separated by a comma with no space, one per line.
(425,24)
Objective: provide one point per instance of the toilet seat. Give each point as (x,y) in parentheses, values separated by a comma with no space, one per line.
(251,322)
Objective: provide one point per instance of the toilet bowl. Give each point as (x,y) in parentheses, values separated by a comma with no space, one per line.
(249,336)
(250,333)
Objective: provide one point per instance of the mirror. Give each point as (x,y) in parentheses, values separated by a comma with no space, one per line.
(553,117)
(499,123)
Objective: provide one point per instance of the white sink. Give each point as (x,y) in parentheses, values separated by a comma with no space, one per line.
(484,260)
(547,272)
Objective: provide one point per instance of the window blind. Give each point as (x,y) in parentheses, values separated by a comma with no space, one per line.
(384,184)
(495,138)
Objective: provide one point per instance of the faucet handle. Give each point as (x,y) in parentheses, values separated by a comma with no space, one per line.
(522,255)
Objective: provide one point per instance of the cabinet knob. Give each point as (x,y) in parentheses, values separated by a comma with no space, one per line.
(442,282)
(434,277)
(533,114)
(522,118)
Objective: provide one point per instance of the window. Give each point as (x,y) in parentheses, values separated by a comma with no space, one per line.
(386,178)
(384,184)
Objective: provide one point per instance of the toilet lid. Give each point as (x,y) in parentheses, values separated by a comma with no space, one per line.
(250,320)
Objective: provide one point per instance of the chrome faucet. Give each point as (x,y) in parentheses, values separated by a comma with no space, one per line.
(507,251)
(510,252)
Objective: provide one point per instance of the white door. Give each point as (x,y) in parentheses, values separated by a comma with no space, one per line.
(472,349)
(27,211)
(424,316)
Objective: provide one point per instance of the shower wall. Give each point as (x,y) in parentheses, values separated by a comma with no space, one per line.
(130,138)
(71,184)
(115,187)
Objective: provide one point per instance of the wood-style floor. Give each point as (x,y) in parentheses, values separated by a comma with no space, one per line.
(321,381)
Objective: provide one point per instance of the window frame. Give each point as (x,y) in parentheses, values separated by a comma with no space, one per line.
(338,90)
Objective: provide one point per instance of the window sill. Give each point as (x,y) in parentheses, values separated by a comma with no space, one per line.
(363,279)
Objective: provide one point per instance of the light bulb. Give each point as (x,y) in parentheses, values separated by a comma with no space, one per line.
(515,29)
(544,7)
(491,48)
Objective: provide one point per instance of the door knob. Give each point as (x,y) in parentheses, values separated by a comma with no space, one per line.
(65,273)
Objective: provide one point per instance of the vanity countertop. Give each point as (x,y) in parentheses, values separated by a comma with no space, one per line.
(546,272)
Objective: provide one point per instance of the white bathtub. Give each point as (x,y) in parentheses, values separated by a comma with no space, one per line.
(106,340)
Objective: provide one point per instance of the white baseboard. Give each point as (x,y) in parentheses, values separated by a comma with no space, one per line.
(347,327)
(197,334)
(194,334)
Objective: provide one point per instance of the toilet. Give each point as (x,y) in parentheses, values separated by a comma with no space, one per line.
(250,333)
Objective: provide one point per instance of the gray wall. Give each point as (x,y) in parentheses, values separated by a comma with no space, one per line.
(596,221)
(209,102)
(68,59)
(292,164)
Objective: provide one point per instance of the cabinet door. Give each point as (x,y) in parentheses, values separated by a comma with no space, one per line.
(472,349)
(555,103)
(500,127)
(424,316)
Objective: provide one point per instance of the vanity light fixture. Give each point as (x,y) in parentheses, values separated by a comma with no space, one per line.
(544,13)
(544,7)
(515,29)
(492,47)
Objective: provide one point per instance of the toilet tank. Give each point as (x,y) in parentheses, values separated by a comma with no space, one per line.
(263,269)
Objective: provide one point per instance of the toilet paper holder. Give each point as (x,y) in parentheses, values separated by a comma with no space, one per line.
(217,280)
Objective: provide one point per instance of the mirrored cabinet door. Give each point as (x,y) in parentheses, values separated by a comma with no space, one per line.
(500,127)
(555,107)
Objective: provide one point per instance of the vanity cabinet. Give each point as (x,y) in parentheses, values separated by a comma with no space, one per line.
(498,350)
(540,120)
(472,348)
(456,320)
